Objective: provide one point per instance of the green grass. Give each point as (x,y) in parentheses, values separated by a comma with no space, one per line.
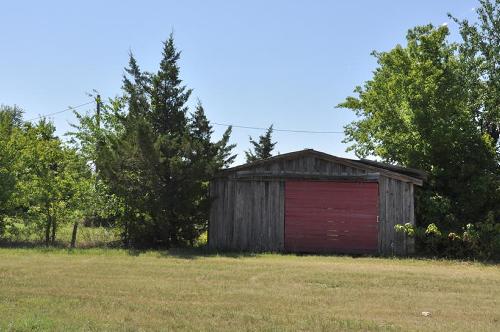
(108,289)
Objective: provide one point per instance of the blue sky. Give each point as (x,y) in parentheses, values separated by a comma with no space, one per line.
(251,63)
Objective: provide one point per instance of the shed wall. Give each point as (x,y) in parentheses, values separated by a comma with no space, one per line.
(396,207)
(247,215)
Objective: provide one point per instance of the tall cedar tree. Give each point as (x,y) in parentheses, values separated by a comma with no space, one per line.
(263,148)
(160,160)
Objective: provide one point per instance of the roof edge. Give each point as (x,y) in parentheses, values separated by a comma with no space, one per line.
(385,169)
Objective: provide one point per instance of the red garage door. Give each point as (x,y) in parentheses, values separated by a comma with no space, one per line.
(331,217)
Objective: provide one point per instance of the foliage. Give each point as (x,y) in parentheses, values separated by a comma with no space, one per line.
(102,206)
(155,157)
(475,241)
(261,149)
(480,56)
(53,180)
(432,105)
(406,228)
(141,164)
(44,183)
(10,120)
(202,240)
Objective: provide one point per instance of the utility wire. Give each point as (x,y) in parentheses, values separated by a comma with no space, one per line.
(215,123)
(282,130)
(65,110)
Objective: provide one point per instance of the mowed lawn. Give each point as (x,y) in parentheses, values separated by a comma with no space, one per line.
(116,290)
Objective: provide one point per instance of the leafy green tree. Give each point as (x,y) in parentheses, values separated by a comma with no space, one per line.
(479,53)
(6,183)
(416,112)
(90,138)
(52,178)
(263,148)
(10,121)
(7,180)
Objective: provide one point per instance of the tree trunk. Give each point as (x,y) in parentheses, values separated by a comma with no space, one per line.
(53,235)
(47,228)
(73,235)
(125,233)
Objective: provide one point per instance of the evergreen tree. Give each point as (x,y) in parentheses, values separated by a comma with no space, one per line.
(206,158)
(146,162)
(261,149)
(158,159)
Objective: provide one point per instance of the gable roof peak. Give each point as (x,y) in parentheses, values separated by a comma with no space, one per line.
(392,171)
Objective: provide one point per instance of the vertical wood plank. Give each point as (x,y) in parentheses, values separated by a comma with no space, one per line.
(381,215)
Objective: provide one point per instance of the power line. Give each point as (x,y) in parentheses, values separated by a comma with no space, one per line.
(65,110)
(282,130)
(215,123)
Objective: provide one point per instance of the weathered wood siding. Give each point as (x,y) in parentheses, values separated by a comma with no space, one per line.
(247,215)
(308,164)
(396,207)
(248,212)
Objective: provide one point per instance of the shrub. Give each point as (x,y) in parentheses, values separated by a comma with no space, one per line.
(480,240)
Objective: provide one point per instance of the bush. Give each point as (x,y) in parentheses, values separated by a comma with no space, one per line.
(17,229)
(475,241)
(202,240)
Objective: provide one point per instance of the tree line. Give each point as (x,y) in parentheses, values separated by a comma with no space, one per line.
(141,163)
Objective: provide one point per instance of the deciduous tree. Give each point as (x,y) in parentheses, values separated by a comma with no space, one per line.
(416,111)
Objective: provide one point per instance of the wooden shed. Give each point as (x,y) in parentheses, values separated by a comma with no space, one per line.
(312,202)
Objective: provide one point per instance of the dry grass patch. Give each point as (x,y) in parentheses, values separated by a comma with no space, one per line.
(114,290)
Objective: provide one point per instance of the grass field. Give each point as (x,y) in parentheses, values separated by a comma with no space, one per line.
(99,289)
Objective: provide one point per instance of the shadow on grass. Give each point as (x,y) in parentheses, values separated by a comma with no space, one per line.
(41,246)
(31,245)
(195,253)
(190,253)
